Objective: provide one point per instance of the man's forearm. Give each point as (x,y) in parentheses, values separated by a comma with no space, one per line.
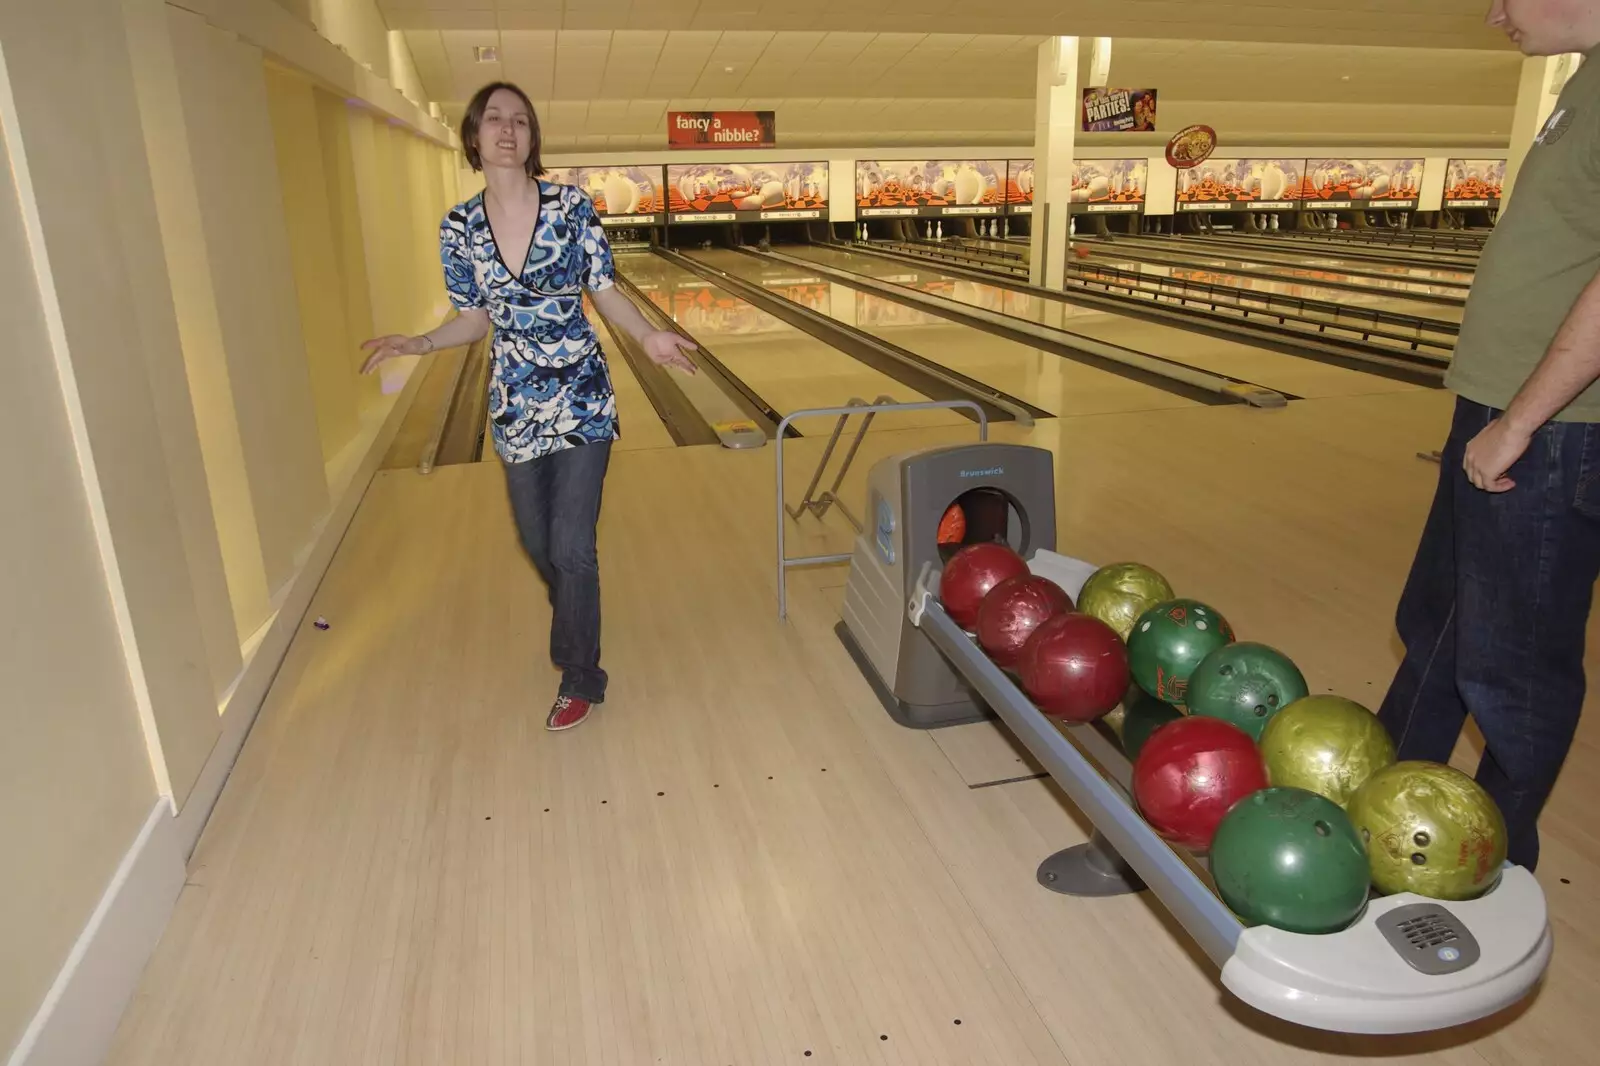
(1571,365)
(620,312)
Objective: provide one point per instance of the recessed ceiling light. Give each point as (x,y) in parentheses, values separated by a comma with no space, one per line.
(485,53)
(727,70)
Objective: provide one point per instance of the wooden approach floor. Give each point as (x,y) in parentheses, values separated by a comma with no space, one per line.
(741,859)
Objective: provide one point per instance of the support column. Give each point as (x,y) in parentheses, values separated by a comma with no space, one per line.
(1099,64)
(1543,78)
(1056,109)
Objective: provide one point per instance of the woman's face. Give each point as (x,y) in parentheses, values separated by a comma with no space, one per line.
(505,135)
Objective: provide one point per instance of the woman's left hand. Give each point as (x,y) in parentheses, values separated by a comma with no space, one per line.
(666,348)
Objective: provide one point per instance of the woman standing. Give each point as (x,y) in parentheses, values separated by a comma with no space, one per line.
(551,402)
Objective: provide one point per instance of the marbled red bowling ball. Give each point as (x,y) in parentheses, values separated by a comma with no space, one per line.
(1075,668)
(971,574)
(1013,610)
(1190,773)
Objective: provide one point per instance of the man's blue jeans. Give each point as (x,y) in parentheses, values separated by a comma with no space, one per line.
(1494,614)
(556,501)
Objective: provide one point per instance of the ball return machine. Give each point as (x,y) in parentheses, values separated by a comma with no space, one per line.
(1407,964)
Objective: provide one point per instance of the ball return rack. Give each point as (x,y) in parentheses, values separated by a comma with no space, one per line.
(1407,964)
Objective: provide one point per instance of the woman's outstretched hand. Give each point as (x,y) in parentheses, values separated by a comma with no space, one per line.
(666,348)
(385,348)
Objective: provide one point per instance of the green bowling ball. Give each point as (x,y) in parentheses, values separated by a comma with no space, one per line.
(1290,859)
(1169,641)
(1325,744)
(1142,715)
(1429,829)
(1118,594)
(1244,684)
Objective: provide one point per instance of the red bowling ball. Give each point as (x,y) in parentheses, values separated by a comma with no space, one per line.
(1190,773)
(971,574)
(1013,610)
(1075,667)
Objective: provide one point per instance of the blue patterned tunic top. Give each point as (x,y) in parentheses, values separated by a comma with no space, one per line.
(549,386)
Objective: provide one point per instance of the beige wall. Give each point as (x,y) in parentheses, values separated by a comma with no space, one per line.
(75,782)
(195,229)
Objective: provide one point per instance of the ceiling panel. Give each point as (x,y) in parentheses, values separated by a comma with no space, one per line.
(1426,23)
(848,88)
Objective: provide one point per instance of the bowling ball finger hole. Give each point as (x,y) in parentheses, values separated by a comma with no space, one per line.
(1418,859)
(1323,829)
(1261,710)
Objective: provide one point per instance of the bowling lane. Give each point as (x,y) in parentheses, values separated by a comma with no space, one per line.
(787,368)
(1285,287)
(1288,264)
(1372,297)
(1427,266)
(1042,378)
(1463,257)
(1287,373)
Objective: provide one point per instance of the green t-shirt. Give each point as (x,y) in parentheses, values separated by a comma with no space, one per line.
(1543,252)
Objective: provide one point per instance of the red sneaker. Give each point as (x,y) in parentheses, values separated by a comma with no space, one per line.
(567,712)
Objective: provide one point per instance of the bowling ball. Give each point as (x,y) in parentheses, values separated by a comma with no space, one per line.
(1190,773)
(1325,744)
(1290,859)
(953,526)
(1246,684)
(1075,668)
(1013,610)
(1082,251)
(1429,829)
(1169,641)
(1142,715)
(1118,594)
(971,574)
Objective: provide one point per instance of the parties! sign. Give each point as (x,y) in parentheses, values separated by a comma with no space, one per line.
(721,129)
(1119,110)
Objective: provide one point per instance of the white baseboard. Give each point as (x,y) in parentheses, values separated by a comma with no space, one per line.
(80,1014)
(79,1017)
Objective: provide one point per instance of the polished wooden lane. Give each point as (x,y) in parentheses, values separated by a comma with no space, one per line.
(741,858)
(1046,380)
(787,367)
(1296,375)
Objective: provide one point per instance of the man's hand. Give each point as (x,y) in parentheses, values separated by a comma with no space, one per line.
(666,348)
(1492,452)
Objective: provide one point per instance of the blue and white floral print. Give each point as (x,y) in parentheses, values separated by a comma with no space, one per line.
(549,386)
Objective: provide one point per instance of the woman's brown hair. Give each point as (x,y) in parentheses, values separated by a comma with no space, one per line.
(474,117)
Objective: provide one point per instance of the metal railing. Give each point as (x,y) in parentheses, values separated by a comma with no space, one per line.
(818,505)
(843,413)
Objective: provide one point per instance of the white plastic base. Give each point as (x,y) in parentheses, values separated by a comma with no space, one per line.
(1354,982)
(1346,981)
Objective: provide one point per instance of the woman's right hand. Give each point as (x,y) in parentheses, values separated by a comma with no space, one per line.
(386,348)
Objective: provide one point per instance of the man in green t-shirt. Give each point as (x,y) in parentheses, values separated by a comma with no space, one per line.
(1496,607)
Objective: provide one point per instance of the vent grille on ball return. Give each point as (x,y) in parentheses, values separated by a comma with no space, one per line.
(1430,938)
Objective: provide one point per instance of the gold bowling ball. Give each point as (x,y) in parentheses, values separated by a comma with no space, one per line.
(1325,744)
(1429,829)
(1118,594)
